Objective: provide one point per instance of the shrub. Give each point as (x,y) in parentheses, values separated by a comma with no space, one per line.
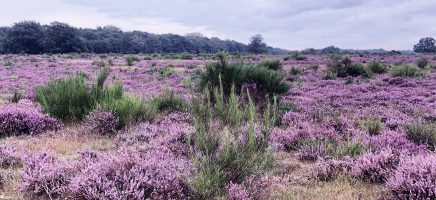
(377,67)
(166,71)
(327,170)
(422,133)
(66,99)
(329,75)
(101,122)
(266,81)
(17,120)
(130,59)
(422,62)
(129,176)
(296,71)
(375,167)
(405,70)
(9,156)
(169,102)
(271,64)
(356,69)
(415,178)
(231,157)
(99,63)
(296,55)
(44,176)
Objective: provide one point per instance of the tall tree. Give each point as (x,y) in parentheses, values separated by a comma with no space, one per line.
(25,37)
(257,45)
(63,38)
(425,45)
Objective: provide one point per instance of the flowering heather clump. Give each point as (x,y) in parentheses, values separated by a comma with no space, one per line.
(9,156)
(100,122)
(397,142)
(43,175)
(129,176)
(251,189)
(375,167)
(326,170)
(415,178)
(16,119)
(237,192)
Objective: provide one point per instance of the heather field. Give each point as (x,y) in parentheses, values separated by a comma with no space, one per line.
(218,126)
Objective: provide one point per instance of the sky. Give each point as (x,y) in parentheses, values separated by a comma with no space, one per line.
(288,24)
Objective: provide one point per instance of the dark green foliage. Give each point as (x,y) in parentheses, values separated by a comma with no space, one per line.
(267,81)
(357,69)
(66,99)
(422,62)
(271,64)
(62,38)
(25,37)
(377,67)
(31,37)
(425,45)
(257,45)
(422,132)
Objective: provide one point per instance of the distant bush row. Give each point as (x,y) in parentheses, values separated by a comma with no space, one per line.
(343,67)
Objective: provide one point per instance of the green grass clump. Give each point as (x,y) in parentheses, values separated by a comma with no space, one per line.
(405,70)
(131,59)
(271,64)
(422,132)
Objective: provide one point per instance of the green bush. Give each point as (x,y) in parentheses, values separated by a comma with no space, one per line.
(224,157)
(267,81)
(422,62)
(356,69)
(271,64)
(130,59)
(296,55)
(422,132)
(405,70)
(377,67)
(66,99)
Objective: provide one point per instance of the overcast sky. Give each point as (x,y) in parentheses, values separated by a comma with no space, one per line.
(289,24)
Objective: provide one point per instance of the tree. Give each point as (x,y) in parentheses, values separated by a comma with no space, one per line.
(62,38)
(257,45)
(330,49)
(425,45)
(25,37)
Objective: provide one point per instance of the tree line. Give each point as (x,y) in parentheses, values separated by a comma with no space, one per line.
(30,37)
